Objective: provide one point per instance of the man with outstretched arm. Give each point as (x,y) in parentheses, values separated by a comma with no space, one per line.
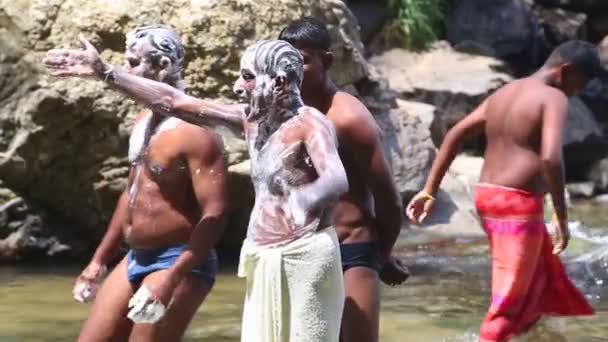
(523,122)
(171,215)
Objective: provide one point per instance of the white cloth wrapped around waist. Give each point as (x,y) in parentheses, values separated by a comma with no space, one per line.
(295,292)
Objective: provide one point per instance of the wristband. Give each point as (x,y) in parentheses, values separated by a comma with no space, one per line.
(427,195)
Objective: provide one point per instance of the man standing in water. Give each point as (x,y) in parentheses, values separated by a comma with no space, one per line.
(524,123)
(290,257)
(171,215)
(368,217)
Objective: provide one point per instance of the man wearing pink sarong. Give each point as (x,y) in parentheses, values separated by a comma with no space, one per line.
(523,123)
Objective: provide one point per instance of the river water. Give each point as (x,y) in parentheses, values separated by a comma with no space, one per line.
(444,301)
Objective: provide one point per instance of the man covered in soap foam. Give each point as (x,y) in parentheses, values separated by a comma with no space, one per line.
(171,214)
(290,257)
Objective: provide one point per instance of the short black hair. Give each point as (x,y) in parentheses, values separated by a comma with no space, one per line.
(583,56)
(307,33)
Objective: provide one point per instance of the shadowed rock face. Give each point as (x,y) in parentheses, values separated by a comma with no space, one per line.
(63,142)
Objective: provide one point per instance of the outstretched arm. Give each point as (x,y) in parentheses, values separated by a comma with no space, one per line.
(473,124)
(161,98)
(553,124)
(321,144)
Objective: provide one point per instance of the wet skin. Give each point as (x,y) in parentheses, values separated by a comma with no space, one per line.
(176,194)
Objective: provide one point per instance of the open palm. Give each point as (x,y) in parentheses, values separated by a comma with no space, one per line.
(84,62)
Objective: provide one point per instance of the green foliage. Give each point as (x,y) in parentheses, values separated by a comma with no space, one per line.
(416,22)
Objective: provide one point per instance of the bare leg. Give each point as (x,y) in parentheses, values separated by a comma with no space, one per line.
(107,321)
(362,306)
(187,297)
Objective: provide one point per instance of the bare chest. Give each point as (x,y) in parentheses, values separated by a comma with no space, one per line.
(157,151)
(281,163)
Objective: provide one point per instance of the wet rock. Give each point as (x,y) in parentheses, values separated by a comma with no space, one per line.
(507,28)
(560,25)
(584,142)
(453,82)
(581,189)
(405,136)
(371,16)
(454,214)
(25,234)
(576,5)
(598,174)
(408,146)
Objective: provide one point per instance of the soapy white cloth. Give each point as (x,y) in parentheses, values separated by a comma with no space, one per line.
(295,292)
(85,290)
(145,308)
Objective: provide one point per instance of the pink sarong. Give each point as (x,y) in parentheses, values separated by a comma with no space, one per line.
(528,280)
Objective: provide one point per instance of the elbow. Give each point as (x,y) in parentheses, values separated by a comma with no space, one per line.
(218,217)
(551,162)
(342,185)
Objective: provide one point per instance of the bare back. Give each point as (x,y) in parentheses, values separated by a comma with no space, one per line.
(513,130)
(354,214)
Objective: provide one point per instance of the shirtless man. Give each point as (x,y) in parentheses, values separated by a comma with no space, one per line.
(171,215)
(367,218)
(297,176)
(524,123)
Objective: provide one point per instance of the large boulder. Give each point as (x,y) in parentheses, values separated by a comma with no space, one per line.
(595,94)
(64,142)
(560,25)
(584,142)
(576,5)
(507,29)
(453,82)
(598,175)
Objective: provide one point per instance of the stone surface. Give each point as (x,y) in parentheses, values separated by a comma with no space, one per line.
(454,213)
(576,5)
(508,29)
(598,174)
(583,142)
(581,189)
(560,25)
(454,82)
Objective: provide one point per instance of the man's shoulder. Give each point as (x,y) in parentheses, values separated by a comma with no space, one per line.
(350,116)
(539,91)
(198,140)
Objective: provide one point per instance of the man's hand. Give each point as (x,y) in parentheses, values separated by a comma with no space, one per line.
(84,62)
(419,207)
(394,272)
(87,283)
(562,235)
(162,289)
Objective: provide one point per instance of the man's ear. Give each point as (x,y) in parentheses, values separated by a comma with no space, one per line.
(280,80)
(328,59)
(564,70)
(165,66)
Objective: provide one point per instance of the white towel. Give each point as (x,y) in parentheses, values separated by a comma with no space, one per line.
(295,292)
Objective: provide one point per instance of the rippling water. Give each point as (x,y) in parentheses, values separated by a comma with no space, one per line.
(444,301)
